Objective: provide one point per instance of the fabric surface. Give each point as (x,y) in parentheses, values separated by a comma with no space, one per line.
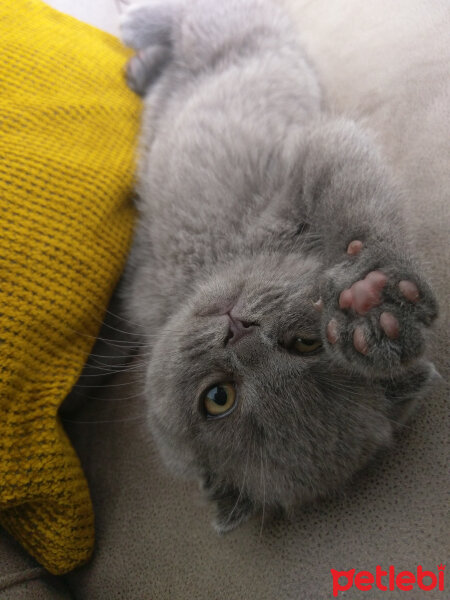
(103,14)
(387,63)
(68,125)
(22,579)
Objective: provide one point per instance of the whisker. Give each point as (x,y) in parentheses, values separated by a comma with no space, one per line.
(241,488)
(112,358)
(121,317)
(263,480)
(132,367)
(125,420)
(108,385)
(138,395)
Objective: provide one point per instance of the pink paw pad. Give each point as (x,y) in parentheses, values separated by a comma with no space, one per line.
(359,341)
(354,247)
(332,331)
(409,290)
(364,294)
(389,325)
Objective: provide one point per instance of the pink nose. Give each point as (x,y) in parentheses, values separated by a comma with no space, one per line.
(237,329)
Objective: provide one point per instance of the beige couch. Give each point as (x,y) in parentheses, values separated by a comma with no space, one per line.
(387,63)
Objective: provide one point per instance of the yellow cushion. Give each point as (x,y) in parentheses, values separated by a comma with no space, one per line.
(67,133)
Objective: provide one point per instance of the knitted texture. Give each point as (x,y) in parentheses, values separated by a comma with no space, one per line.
(67,133)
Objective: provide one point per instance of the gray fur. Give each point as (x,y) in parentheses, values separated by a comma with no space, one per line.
(249,192)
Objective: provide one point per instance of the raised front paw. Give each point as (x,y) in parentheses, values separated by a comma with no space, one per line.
(375,321)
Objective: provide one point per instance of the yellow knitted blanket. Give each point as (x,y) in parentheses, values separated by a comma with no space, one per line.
(67,130)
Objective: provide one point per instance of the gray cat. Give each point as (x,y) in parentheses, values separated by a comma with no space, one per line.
(283,312)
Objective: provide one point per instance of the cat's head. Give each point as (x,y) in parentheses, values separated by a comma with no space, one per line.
(244,396)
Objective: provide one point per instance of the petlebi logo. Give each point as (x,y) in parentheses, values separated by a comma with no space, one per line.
(388,580)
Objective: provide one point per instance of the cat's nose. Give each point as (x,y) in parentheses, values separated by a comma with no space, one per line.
(237,329)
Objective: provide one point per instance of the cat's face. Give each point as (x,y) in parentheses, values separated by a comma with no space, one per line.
(263,416)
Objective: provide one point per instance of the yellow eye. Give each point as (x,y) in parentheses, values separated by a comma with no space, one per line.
(305,345)
(219,399)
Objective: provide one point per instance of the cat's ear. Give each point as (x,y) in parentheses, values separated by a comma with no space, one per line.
(408,389)
(233,506)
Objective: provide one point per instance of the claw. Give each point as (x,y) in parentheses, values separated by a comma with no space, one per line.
(354,247)
(318,305)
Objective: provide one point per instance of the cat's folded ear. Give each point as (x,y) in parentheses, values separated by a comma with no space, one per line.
(233,506)
(406,390)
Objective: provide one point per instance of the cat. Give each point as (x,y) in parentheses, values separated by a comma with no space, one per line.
(284,313)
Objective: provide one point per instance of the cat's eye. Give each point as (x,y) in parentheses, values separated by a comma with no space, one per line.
(306,345)
(219,399)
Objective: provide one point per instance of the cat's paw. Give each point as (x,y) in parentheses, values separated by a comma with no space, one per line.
(132,33)
(147,23)
(147,28)
(374,316)
(143,68)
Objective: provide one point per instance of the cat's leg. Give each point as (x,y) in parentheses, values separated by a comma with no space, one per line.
(147,28)
(375,303)
(202,35)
